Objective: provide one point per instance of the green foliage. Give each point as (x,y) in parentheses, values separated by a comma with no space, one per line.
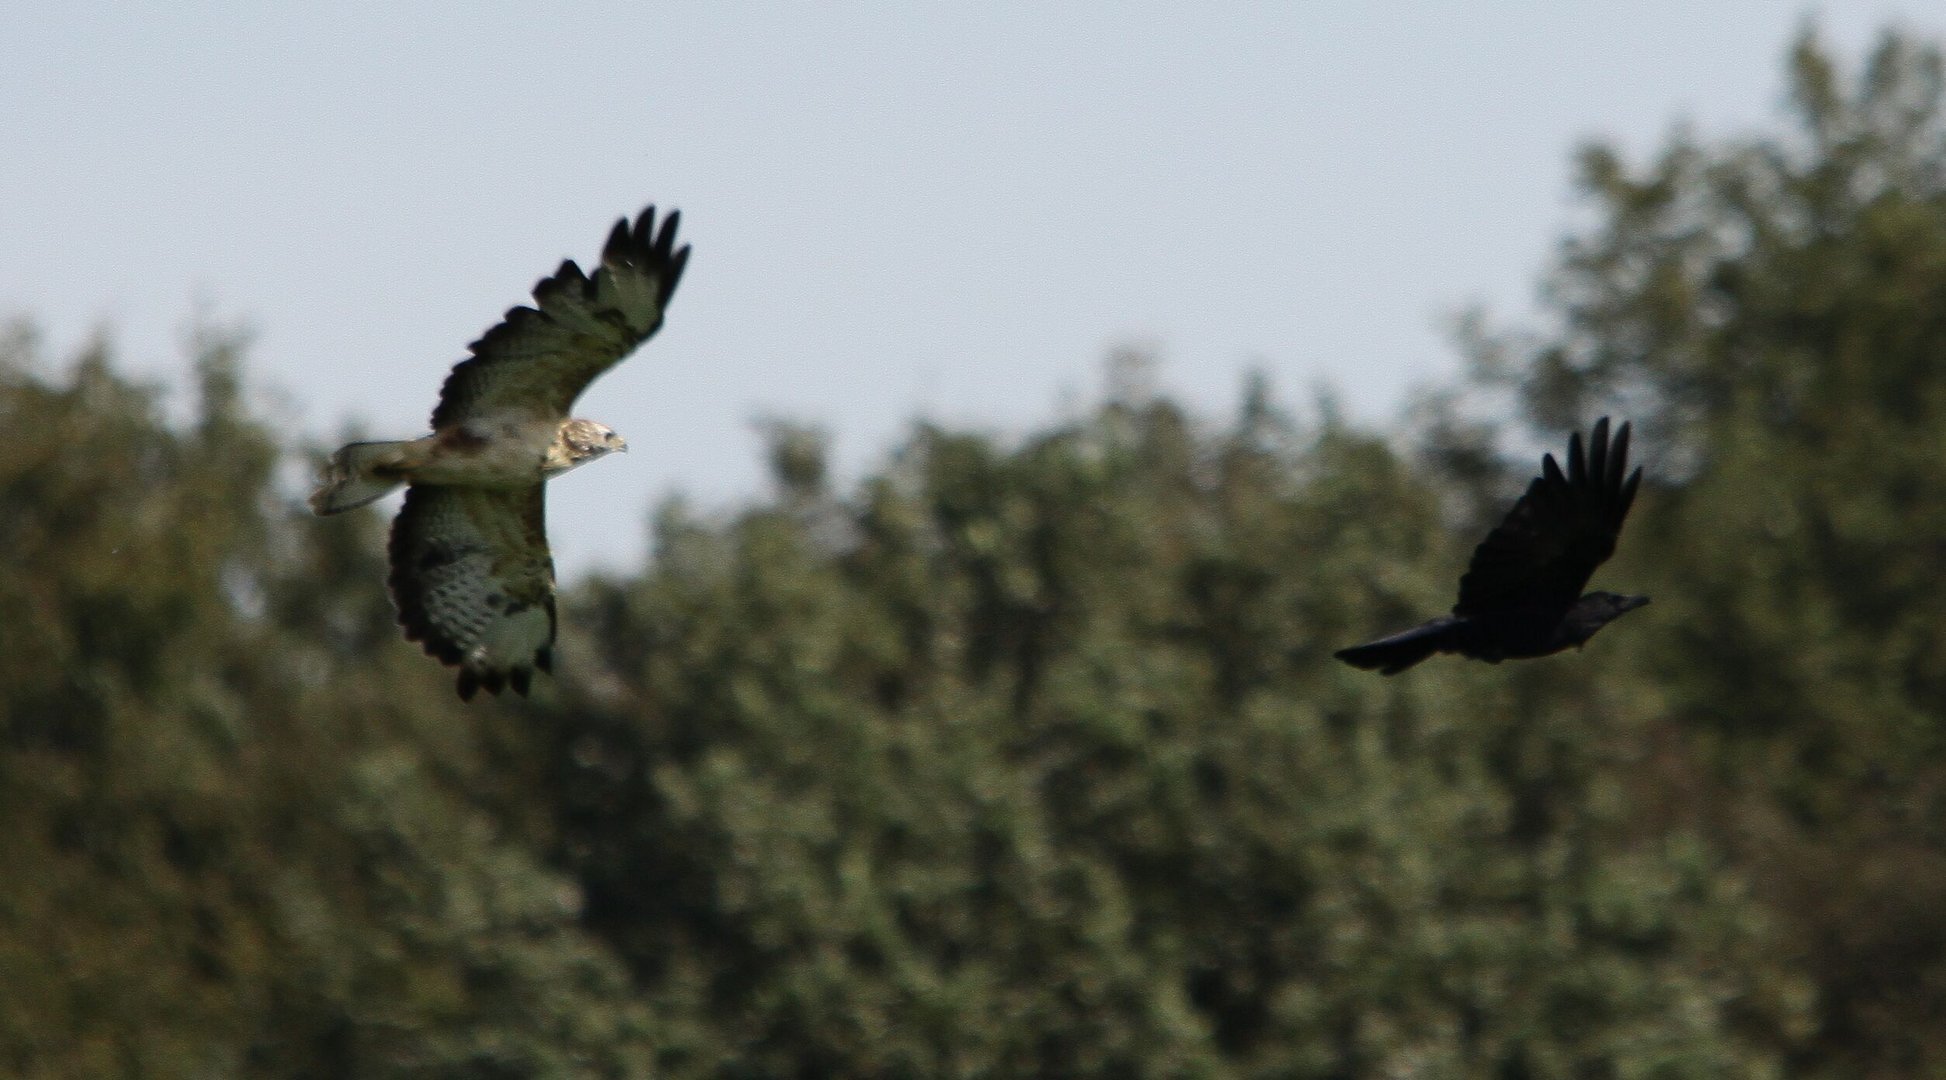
(1035,761)
(1030,758)
(228,853)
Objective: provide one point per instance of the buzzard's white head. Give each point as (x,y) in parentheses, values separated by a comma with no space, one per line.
(579,442)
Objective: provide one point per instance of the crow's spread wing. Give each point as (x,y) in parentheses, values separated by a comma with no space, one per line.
(474,582)
(539,359)
(1563,527)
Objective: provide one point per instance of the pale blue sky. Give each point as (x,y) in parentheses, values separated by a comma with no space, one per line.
(897,209)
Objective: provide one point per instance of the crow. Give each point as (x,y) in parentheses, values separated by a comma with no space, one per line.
(1521,596)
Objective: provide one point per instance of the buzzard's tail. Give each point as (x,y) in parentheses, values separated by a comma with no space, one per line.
(1391,655)
(360,473)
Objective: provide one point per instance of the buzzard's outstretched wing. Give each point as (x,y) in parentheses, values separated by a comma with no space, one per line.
(1544,552)
(474,582)
(536,362)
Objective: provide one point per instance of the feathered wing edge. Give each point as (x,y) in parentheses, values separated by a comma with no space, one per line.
(474,584)
(1585,505)
(541,358)
(1598,475)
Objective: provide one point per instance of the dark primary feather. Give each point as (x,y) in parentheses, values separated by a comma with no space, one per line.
(538,359)
(469,565)
(1564,527)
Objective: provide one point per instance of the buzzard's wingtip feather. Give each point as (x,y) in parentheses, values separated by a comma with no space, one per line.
(665,241)
(676,265)
(617,244)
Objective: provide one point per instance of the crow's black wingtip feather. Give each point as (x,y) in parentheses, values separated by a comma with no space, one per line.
(1627,498)
(1618,450)
(1598,453)
(1551,470)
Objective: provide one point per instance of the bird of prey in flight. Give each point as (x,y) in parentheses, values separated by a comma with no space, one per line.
(1521,596)
(471,573)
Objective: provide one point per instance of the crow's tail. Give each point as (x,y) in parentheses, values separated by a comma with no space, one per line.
(1391,655)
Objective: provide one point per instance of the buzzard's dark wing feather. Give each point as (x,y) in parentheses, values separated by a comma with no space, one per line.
(1564,527)
(474,582)
(539,359)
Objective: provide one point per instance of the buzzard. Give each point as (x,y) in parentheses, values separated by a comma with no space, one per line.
(471,574)
(1521,597)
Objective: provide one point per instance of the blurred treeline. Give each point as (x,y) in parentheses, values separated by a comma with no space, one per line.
(1028,757)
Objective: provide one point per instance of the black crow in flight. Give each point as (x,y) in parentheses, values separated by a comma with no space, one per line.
(1522,595)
